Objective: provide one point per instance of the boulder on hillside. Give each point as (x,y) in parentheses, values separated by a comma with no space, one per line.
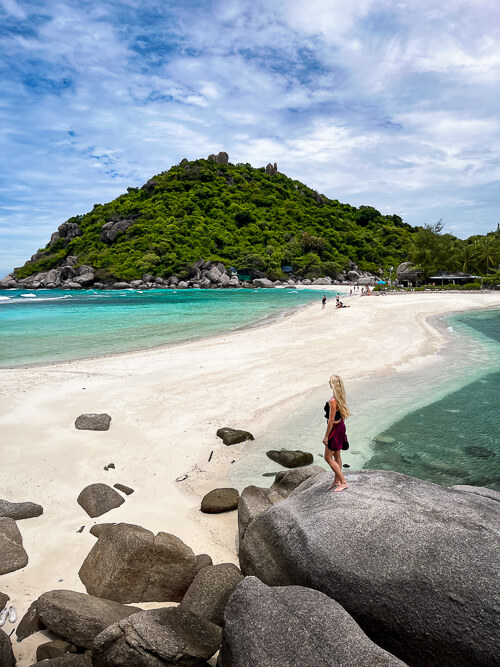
(76,617)
(130,564)
(220,500)
(210,591)
(292,625)
(182,285)
(97,499)
(365,281)
(213,274)
(272,169)
(12,554)
(120,285)
(322,281)
(233,436)
(85,279)
(290,458)
(6,654)
(262,282)
(19,511)
(93,422)
(110,230)
(415,563)
(69,231)
(157,637)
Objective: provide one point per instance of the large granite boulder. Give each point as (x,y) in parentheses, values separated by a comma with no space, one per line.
(57,648)
(4,598)
(93,422)
(233,436)
(12,554)
(262,282)
(213,274)
(292,625)
(130,564)
(6,654)
(69,660)
(220,500)
(110,230)
(157,637)
(288,480)
(414,563)
(210,591)
(254,501)
(19,511)
(290,458)
(322,281)
(77,617)
(97,499)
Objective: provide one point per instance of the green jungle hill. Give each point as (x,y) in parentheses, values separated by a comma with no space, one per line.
(256,220)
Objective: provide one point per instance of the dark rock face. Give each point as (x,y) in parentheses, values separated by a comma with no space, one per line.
(232,436)
(70,660)
(29,624)
(203,560)
(93,422)
(19,511)
(272,169)
(272,627)
(220,500)
(150,185)
(210,591)
(318,198)
(290,458)
(124,489)
(4,598)
(12,554)
(415,564)
(6,655)
(220,158)
(110,230)
(130,564)
(69,231)
(97,499)
(168,636)
(54,649)
(77,617)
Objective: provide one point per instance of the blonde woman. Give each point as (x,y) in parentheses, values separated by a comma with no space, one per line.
(336,411)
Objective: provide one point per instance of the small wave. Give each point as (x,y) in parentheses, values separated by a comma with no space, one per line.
(5,298)
(28,296)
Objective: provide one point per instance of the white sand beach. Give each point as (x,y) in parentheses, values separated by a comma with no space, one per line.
(166,406)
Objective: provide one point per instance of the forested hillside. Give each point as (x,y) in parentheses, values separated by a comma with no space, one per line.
(252,219)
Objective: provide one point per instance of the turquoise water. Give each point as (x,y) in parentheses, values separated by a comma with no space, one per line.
(455,439)
(53,325)
(439,422)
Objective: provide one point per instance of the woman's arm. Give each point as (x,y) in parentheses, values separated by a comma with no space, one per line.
(331,419)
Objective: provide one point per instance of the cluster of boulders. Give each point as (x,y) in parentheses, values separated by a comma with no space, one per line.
(202,275)
(12,553)
(394,571)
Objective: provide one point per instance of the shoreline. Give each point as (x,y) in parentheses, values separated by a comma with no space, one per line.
(166,405)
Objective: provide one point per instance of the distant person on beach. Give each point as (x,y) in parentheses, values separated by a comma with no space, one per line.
(335,440)
(323,301)
(337,299)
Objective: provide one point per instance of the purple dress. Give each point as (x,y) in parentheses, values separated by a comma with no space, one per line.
(337,439)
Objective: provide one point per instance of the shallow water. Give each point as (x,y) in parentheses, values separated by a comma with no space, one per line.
(54,325)
(439,422)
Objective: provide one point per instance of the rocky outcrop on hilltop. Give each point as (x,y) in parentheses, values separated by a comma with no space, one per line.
(415,564)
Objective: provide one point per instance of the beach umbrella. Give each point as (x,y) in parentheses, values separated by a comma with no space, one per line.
(381,282)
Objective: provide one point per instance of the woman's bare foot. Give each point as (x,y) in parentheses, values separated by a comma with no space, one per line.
(335,483)
(341,487)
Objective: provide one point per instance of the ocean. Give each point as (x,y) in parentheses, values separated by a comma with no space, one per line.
(47,326)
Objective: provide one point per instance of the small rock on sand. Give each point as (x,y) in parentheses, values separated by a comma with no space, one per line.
(232,436)
(290,458)
(97,499)
(220,500)
(93,422)
(19,511)
(124,489)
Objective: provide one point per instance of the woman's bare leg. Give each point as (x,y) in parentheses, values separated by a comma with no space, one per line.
(339,480)
(338,460)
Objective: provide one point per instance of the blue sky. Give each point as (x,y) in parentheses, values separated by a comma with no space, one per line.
(393,104)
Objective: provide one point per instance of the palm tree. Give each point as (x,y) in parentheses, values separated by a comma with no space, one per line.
(489,252)
(467,258)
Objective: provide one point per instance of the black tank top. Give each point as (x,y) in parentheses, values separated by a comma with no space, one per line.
(337,417)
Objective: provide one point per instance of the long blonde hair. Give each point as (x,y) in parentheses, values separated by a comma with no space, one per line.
(339,393)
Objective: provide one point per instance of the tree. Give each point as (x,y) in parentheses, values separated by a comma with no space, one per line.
(467,258)
(489,252)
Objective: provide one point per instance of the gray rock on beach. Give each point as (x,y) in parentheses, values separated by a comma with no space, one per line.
(69,660)
(416,564)
(18,511)
(287,481)
(293,625)
(263,282)
(290,458)
(56,648)
(12,554)
(202,561)
(157,637)
(4,598)
(220,500)
(124,489)
(210,591)
(130,564)
(233,436)
(97,499)
(76,617)
(93,422)
(99,528)
(6,654)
